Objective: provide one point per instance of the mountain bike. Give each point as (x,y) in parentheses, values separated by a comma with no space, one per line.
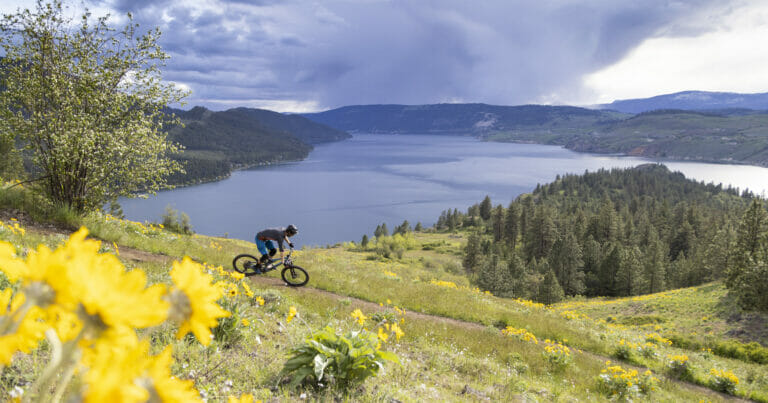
(293,275)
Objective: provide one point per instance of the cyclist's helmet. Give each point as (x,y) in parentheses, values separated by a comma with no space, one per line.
(291,230)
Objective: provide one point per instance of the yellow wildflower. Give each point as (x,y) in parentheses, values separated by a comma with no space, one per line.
(382,336)
(291,314)
(248,291)
(242,399)
(193,300)
(245,322)
(127,373)
(359,316)
(397,331)
(260,300)
(30,330)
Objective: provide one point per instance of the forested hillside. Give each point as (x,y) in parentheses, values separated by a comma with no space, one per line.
(217,142)
(463,119)
(719,134)
(676,134)
(608,233)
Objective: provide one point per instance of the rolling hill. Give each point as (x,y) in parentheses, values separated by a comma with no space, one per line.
(217,142)
(461,119)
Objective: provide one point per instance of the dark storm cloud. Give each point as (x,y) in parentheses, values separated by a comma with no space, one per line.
(359,52)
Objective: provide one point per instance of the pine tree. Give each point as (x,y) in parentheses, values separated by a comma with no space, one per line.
(550,291)
(512,224)
(630,275)
(604,227)
(403,228)
(490,276)
(683,241)
(364,241)
(381,230)
(747,278)
(654,262)
(592,256)
(418,227)
(472,253)
(497,222)
(541,235)
(485,208)
(567,264)
(720,253)
(609,267)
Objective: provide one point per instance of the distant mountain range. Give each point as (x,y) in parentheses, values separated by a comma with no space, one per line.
(691,125)
(692,100)
(464,119)
(713,132)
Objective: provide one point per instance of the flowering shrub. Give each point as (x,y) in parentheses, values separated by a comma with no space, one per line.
(678,366)
(521,334)
(723,381)
(88,307)
(557,355)
(657,339)
(647,349)
(619,383)
(624,350)
(571,315)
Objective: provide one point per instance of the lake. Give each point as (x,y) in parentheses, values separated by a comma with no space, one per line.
(345,189)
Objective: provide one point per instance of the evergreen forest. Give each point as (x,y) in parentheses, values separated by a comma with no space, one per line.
(618,232)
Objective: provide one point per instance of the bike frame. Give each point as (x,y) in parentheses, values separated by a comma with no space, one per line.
(287,261)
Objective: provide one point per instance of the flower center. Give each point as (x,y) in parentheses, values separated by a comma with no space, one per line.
(181,309)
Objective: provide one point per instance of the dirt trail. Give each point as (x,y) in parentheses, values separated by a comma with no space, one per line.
(139,256)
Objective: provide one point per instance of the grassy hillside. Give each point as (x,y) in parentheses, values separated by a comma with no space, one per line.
(453,348)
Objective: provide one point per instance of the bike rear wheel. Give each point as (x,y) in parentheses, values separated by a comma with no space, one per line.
(294,276)
(246,264)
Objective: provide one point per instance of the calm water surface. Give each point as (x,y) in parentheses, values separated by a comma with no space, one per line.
(345,189)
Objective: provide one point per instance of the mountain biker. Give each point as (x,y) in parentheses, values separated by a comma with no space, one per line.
(265,241)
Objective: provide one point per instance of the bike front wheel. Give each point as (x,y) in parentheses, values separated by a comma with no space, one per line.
(246,264)
(295,276)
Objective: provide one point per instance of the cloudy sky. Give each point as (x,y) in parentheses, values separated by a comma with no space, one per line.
(297,55)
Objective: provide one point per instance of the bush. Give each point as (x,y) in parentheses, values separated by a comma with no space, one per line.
(624,350)
(753,351)
(723,381)
(679,367)
(339,361)
(621,384)
(558,356)
(746,352)
(175,222)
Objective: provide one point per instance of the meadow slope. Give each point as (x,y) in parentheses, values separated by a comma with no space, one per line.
(454,348)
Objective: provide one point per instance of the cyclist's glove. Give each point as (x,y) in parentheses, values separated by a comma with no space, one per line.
(290,244)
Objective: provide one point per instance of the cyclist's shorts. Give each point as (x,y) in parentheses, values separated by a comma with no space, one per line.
(264,246)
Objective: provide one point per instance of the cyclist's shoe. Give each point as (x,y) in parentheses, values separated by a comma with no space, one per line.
(255,266)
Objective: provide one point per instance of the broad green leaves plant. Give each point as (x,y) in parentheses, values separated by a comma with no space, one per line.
(88,101)
(341,361)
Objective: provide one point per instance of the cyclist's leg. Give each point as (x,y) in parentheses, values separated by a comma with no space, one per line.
(262,247)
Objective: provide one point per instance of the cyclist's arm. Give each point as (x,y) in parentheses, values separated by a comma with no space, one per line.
(288,240)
